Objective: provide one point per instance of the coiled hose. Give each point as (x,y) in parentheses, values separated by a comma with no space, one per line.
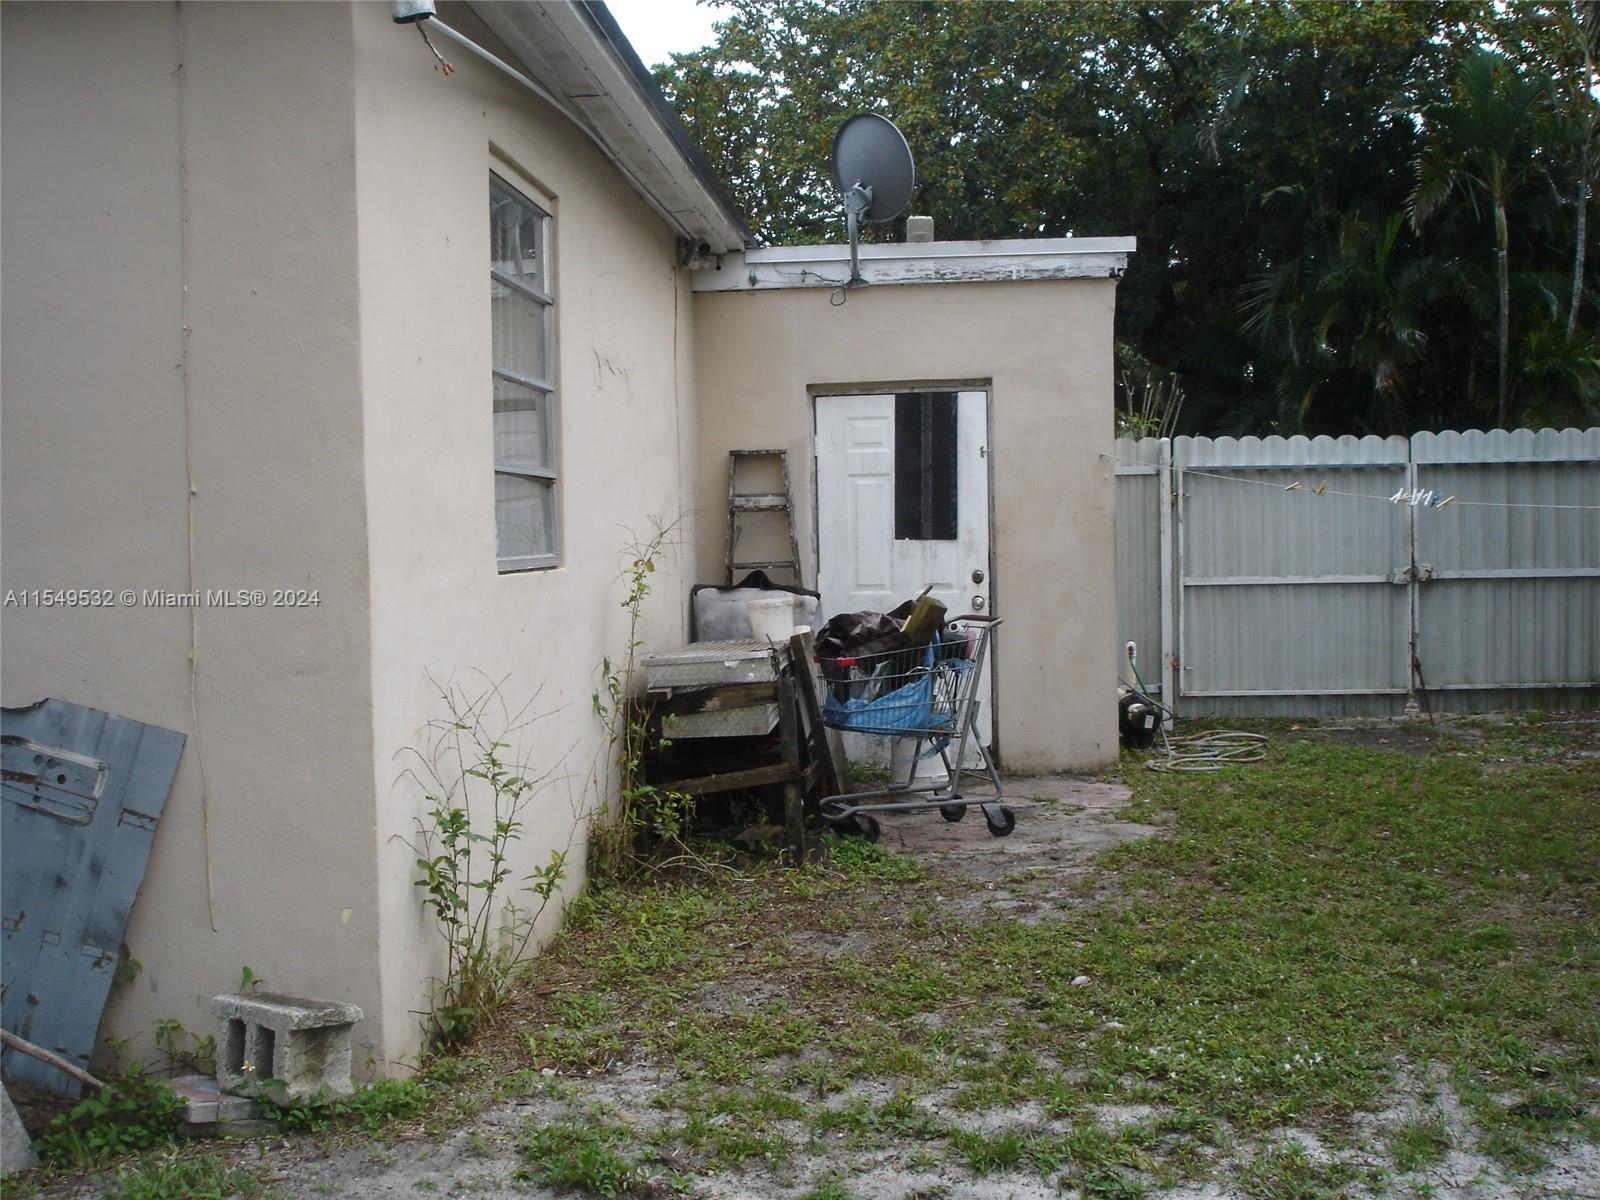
(1197,753)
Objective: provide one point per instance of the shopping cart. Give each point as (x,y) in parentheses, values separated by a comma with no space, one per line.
(929,694)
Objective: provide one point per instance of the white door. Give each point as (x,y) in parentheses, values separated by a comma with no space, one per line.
(903,503)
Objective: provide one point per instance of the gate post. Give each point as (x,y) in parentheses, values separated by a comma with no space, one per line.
(1411,709)
(1166,498)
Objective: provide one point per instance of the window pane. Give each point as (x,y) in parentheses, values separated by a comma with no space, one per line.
(521,426)
(516,236)
(519,327)
(524,516)
(925,466)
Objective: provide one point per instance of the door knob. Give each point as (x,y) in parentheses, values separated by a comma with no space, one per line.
(977,604)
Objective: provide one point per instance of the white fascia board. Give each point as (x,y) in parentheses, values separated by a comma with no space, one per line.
(561,50)
(919,262)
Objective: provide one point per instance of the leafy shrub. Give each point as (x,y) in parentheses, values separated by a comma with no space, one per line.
(131,1113)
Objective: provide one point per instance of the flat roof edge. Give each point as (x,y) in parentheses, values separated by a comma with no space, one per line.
(1010,260)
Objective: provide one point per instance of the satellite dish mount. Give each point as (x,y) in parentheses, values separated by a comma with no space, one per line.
(873,171)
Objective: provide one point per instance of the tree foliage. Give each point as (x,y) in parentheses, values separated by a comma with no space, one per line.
(1349,215)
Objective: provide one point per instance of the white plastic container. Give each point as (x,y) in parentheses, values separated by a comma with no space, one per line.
(772,620)
(928,769)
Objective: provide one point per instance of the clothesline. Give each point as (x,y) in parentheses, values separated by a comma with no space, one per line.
(1420,498)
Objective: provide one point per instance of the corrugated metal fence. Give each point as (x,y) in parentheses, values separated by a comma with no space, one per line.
(1321,576)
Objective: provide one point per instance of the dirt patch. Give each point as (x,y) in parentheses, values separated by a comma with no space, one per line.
(482,1160)
(1407,737)
(1569,737)
(1063,823)
(38,1106)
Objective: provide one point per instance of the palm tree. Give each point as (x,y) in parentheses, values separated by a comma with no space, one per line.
(1348,317)
(1479,142)
(1583,26)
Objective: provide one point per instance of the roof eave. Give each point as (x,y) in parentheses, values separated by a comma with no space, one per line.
(1003,261)
(578,52)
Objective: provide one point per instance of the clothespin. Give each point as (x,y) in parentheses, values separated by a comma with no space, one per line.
(1292,486)
(1445,501)
(1423,498)
(1399,497)
(1320,488)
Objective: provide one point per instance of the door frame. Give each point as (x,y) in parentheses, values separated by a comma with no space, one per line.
(817,391)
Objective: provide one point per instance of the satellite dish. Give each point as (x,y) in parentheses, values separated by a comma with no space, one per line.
(873,171)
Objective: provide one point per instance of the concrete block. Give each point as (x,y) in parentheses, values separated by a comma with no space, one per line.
(301,1042)
(16,1147)
(206,1104)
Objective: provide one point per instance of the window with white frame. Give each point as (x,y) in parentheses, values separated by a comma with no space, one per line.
(522,311)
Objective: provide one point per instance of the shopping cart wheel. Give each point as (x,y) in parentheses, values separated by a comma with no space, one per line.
(952,812)
(869,827)
(1002,826)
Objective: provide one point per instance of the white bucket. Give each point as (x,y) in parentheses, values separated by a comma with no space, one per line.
(772,620)
(929,769)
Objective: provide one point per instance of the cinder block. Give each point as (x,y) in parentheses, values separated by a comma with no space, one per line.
(205,1103)
(301,1043)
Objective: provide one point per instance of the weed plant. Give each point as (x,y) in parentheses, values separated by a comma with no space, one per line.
(646,818)
(370,1108)
(175,1176)
(133,1112)
(581,1155)
(473,773)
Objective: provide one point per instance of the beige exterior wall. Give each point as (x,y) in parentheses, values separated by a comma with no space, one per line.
(299,186)
(101,131)
(624,375)
(338,422)
(1045,350)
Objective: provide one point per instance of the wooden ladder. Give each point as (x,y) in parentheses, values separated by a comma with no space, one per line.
(746,503)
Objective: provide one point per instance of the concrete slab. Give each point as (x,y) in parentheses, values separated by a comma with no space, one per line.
(206,1104)
(1063,823)
(16,1147)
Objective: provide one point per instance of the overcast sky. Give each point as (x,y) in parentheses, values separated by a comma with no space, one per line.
(658,28)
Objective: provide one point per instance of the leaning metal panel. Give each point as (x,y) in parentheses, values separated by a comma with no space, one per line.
(82,792)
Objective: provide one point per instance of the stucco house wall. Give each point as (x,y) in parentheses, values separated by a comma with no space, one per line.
(157,178)
(426,146)
(1044,348)
(299,186)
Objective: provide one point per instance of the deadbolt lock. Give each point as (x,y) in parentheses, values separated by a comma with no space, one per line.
(977,577)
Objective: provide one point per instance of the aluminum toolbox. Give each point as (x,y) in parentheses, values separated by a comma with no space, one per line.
(717,664)
(711,664)
(752,720)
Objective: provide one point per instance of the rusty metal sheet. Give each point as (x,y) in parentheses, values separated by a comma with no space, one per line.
(82,791)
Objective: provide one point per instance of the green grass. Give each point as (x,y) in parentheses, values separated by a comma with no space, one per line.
(370,1108)
(581,1156)
(1288,1173)
(1302,926)
(173,1173)
(863,860)
(985,1153)
(192,1177)
(1301,929)
(1418,1144)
